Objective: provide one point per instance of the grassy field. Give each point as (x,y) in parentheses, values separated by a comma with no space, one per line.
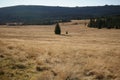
(36,53)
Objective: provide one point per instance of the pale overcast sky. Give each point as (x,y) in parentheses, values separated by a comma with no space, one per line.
(69,3)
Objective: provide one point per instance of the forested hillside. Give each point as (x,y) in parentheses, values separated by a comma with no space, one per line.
(51,15)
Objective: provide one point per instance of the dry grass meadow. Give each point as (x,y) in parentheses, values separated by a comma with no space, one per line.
(36,53)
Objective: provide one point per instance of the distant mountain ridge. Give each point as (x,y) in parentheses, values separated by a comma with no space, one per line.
(51,14)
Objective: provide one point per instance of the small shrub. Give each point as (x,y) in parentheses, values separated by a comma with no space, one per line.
(54,73)
(42,68)
(10,47)
(89,73)
(99,77)
(19,66)
(110,76)
(2,72)
(1,56)
(72,78)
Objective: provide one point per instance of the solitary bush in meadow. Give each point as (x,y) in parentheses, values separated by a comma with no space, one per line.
(57,29)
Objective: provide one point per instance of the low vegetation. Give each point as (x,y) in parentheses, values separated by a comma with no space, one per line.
(36,53)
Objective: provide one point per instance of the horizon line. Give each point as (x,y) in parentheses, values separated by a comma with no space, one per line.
(59,6)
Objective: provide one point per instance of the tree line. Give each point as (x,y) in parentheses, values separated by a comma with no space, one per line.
(39,15)
(105,22)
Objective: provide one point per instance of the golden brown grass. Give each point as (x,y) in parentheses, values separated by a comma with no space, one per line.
(36,53)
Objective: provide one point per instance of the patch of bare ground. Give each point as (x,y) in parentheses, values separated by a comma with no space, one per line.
(36,53)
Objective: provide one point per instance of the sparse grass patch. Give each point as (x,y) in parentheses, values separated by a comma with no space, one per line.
(46,75)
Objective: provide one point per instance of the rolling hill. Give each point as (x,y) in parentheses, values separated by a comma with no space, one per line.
(51,14)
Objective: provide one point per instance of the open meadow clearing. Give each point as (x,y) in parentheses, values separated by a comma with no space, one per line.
(34,52)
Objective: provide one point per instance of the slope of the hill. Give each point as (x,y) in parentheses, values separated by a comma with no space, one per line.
(49,14)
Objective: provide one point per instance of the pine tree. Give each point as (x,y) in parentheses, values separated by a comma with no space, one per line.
(57,29)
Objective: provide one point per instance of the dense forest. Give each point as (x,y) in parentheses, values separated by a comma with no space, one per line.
(105,22)
(50,15)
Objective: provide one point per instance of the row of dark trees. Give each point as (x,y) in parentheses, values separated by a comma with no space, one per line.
(101,22)
(105,22)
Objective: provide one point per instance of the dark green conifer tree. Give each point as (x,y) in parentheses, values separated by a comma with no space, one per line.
(57,29)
